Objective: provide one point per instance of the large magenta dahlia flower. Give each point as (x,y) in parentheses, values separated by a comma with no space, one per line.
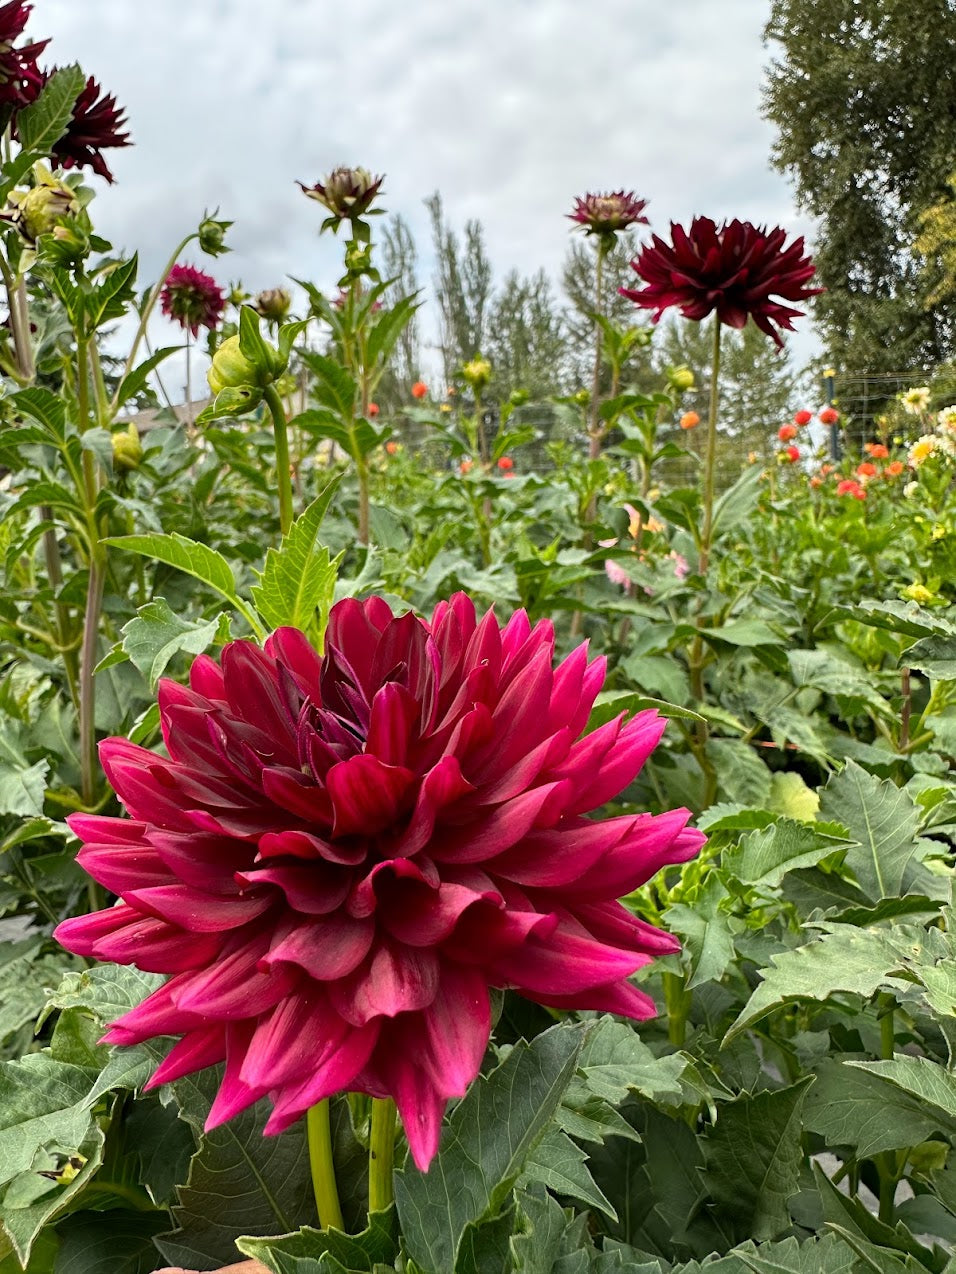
(735,269)
(192,298)
(341,854)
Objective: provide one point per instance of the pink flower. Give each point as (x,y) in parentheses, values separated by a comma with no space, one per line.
(192,298)
(616,573)
(607,213)
(680,564)
(341,854)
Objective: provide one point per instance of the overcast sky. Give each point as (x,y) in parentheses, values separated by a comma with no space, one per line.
(509,107)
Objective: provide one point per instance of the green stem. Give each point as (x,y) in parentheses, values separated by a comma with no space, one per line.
(88,652)
(381,1156)
(284,476)
(144,317)
(710,452)
(677,1003)
(595,431)
(887,1009)
(323,1167)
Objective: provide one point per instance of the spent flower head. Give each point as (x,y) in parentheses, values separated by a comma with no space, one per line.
(606,214)
(339,855)
(192,298)
(735,269)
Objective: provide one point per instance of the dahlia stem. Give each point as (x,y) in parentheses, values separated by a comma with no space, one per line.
(381,1156)
(189,380)
(710,452)
(319,1130)
(595,431)
(283,473)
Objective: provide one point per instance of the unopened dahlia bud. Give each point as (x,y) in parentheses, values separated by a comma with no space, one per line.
(37,210)
(212,234)
(477,372)
(273,304)
(230,368)
(680,378)
(127,448)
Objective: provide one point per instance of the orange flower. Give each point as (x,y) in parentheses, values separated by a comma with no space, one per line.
(802,417)
(876,450)
(689,420)
(825,469)
(505,463)
(391,448)
(786,432)
(866,470)
(419,389)
(894,468)
(816,482)
(373,409)
(466,466)
(829,416)
(850,487)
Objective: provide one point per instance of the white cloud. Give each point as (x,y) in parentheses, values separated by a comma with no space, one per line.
(509,107)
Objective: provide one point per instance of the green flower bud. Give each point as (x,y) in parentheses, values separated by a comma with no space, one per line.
(230,368)
(127,448)
(680,378)
(37,210)
(273,304)
(518,397)
(582,397)
(212,234)
(477,373)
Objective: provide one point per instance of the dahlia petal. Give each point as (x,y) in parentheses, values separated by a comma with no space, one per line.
(199,1048)
(122,867)
(565,965)
(458,1027)
(394,979)
(366,794)
(233,1096)
(252,691)
(656,841)
(485,931)
(636,741)
(442,786)
(315,889)
(394,713)
(158,1014)
(622,998)
(557,857)
(364,897)
(301,844)
(289,1040)
(612,922)
(332,1074)
(496,832)
(290,790)
(419,1103)
(292,649)
(104,829)
(423,917)
(205,677)
(234,987)
(206,861)
(324,949)
(197,911)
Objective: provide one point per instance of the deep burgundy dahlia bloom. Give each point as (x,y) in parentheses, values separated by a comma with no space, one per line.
(348,193)
(608,213)
(192,298)
(735,269)
(341,855)
(18,65)
(96,125)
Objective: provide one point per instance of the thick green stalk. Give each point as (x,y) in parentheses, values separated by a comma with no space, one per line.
(677,1003)
(710,453)
(381,1156)
(88,661)
(283,472)
(595,431)
(323,1167)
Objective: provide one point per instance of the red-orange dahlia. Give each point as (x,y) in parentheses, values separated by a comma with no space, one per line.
(802,417)
(786,432)
(735,268)
(829,416)
(419,389)
(606,214)
(192,298)
(342,853)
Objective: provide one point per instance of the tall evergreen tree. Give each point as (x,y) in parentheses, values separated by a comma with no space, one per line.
(863,97)
(527,342)
(578,277)
(399,263)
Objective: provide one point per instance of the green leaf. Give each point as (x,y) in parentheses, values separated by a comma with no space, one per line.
(706,930)
(388,328)
(136,381)
(935,655)
(45,407)
(299,577)
(334,389)
(752,1159)
(764,857)
(41,124)
(846,959)
(491,1133)
(375,1245)
(611,703)
(198,560)
(737,502)
(931,1084)
(614,1062)
(742,632)
(789,795)
(556,1162)
(539,1231)
(742,776)
(848,1218)
(485,1246)
(882,820)
(110,297)
(117,1242)
(848,1107)
(233,401)
(240,1182)
(156,634)
(106,990)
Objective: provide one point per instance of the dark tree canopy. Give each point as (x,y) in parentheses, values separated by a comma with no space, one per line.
(863,97)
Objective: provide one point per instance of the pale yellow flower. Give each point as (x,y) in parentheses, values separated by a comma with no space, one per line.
(915,400)
(921,450)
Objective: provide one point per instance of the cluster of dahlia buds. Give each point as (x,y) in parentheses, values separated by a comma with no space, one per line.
(606,214)
(37,210)
(348,194)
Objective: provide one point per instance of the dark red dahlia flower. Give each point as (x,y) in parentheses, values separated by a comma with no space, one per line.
(348,193)
(735,269)
(342,854)
(193,298)
(19,72)
(95,126)
(608,213)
